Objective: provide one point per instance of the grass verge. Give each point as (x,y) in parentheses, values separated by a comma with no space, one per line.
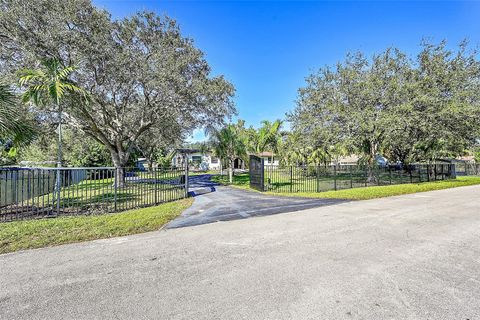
(386,191)
(20,235)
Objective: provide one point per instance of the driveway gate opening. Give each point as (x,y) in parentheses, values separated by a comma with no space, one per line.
(256,173)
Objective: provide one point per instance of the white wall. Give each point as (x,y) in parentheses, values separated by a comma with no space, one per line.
(206,158)
(268,161)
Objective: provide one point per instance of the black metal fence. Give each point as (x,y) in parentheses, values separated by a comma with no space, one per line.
(34,192)
(467,168)
(289,179)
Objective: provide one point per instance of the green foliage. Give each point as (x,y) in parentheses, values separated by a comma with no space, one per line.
(142,76)
(79,150)
(410,110)
(268,136)
(15,128)
(31,234)
(48,85)
(230,143)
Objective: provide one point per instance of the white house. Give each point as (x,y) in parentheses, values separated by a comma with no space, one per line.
(269,159)
(196,159)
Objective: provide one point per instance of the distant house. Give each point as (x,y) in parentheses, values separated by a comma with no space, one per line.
(354,159)
(346,160)
(196,159)
(269,159)
(141,164)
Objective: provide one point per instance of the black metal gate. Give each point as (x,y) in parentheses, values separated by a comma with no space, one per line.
(256,173)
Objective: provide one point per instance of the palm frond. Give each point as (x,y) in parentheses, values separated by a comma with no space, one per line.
(49,84)
(11,124)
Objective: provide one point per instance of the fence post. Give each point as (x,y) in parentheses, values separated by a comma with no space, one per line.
(262,176)
(186,177)
(410,171)
(366,175)
(58,186)
(379,172)
(351,177)
(318,178)
(156,183)
(115,187)
(291,179)
(390,174)
(335,177)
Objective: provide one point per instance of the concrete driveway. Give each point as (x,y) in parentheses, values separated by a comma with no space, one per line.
(227,203)
(407,257)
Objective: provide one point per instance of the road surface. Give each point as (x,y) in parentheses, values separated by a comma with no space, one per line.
(407,257)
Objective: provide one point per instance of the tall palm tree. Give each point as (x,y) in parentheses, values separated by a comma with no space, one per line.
(229,144)
(46,87)
(269,136)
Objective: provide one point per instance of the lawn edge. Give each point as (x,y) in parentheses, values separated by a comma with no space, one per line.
(162,227)
(319,195)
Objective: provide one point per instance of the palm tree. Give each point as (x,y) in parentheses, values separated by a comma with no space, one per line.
(11,126)
(46,87)
(229,144)
(269,137)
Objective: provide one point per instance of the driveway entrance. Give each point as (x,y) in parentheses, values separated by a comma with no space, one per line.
(227,203)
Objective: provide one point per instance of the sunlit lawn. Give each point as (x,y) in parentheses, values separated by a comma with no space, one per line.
(30,234)
(240,180)
(100,195)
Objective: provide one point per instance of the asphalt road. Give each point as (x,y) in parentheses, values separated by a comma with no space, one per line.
(228,203)
(407,257)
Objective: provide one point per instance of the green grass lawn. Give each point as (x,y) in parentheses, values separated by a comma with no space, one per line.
(240,180)
(386,191)
(198,173)
(99,196)
(29,234)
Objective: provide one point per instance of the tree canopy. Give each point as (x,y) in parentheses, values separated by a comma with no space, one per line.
(140,73)
(417,109)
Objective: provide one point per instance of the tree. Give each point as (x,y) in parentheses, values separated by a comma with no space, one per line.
(442,115)
(269,137)
(78,149)
(156,143)
(389,104)
(229,143)
(143,75)
(12,125)
(47,87)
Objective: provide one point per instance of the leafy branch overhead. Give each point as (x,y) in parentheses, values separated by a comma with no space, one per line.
(407,109)
(141,75)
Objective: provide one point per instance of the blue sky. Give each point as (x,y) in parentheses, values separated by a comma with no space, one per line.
(266,49)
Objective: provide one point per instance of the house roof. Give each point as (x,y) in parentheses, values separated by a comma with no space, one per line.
(349,159)
(466,158)
(187,150)
(262,154)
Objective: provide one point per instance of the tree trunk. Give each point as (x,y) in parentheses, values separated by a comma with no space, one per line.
(120,160)
(150,165)
(371,163)
(230,171)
